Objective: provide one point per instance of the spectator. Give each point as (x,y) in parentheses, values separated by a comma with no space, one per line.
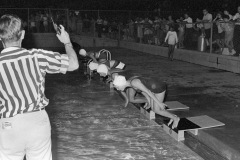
(25,126)
(45,22)
(228,27)
(131,28)
(207,19)
(99,26)
(172,41)
(170,21)
(41,21)
(105,27)
(156,26)
(199,27)
(163,31)
(32,23)
(181,30)
(236,35)
(218,37)
(188,30)
(228,14)
(73,22)
(139,22)
(38,21)
(92,26)
(86,23)
(79,24)
(147,30)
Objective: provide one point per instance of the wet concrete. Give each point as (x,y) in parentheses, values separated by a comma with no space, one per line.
(89,122)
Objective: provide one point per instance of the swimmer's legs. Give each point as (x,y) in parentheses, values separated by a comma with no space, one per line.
(131,93)
(165,113)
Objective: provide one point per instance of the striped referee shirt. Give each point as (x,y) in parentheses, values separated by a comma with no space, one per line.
(22,78)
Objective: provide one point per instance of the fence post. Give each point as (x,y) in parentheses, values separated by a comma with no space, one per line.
(119,34)
(211,36)
(67,19)
(28,22)
(94,29)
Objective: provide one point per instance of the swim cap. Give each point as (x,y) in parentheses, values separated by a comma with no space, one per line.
(93,66)
(83,52)
(102,68)
(119,80)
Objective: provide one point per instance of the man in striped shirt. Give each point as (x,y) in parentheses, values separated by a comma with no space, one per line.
(24,123)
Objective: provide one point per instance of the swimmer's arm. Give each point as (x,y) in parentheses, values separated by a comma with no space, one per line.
(91,55)
(112,62)
(147,105)
(138,84)
(126,98)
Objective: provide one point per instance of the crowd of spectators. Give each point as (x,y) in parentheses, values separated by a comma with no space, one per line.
(41,21)
(221,29)
(225,32)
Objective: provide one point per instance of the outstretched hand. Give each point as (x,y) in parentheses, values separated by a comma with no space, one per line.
(63,36)
(126,104)
(146,106)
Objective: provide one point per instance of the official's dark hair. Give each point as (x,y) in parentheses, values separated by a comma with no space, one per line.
(10,28)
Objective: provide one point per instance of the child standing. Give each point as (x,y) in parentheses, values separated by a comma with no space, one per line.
(172,41)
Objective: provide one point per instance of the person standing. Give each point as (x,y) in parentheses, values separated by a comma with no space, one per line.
(188,30)
(172,41)
(181,30)
(79,24)
(228,28)
(99,26)
(207,19)
(32,24)
(45,22)
(24,124)
(218,37)
(38,22)
(236,35)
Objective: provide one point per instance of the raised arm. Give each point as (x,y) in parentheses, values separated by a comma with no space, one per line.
(92,56)
(65,39)
(125,97)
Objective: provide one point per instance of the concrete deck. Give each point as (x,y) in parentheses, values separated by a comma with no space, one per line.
(90,123)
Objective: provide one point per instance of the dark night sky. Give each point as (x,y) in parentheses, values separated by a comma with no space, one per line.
(150,5)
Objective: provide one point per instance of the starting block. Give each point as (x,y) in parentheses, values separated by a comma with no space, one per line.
(171,106)
(148,113)
(175,105)
(190,124)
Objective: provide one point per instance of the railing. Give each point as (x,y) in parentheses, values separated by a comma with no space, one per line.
(119,25)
